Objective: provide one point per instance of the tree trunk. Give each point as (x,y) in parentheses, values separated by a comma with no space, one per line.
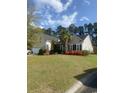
(66,45)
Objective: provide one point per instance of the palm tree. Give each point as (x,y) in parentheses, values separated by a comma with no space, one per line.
(65,37)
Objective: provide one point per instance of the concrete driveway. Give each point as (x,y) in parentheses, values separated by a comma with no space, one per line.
(87,82)
(90,86)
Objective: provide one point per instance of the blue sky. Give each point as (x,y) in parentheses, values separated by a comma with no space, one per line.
(64,12)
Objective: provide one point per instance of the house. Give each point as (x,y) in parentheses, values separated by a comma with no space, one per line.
(44,42)
(76,43)
(80,43)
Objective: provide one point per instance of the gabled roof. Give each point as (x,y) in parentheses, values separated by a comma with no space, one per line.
(77,39)
(48,37)
(42,38)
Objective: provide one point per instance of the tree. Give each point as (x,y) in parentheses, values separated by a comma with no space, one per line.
(90,28)
(95,27)
(30,36)
(72,29)
(58,30)
(95,33)
(31,29)
(53,33)
(85,28)
(48,31)
(32,17)
(81,30)
(65,37)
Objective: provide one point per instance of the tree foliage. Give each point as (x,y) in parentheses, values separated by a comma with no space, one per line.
(31,29)
(65,37)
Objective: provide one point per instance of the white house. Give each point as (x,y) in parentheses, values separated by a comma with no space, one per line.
(87,44)
(76,43)
(44,42)
(80,43)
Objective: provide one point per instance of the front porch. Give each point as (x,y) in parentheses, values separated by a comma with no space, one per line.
(71,47)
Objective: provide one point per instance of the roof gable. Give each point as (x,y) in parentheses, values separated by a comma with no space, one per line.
(42,38)
(77,39)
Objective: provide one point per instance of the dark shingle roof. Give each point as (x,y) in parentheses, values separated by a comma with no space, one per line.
(77,39)
(42,38)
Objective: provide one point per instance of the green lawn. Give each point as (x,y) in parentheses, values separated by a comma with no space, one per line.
(55,73)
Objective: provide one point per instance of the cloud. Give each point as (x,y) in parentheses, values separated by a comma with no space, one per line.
(36,25)
(56,4)
(74,7)
(87,2)
(41,27)
(67,4)
(65,21)
(84,18)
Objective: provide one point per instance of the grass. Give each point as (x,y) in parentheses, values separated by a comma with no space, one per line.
(55,73)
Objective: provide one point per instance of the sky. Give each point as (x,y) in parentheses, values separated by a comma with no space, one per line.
(64,12)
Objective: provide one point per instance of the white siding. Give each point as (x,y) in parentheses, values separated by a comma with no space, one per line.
(35,50)
(48,45)
(87,45)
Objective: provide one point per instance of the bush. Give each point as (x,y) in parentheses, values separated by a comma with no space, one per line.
(57,49)
(77,52)
(55,52)
(72,52)
(85,52)
(95,50)
(41,52)
(52,52)
(46,52)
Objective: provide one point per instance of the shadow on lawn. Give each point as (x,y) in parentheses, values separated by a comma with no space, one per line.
(91,78)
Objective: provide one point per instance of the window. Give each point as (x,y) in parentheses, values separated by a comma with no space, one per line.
(74,47)
(80,47)
(71,47)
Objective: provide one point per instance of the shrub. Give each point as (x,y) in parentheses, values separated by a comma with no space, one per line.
(73,52)
(41,52)
(85,52)
(46,52)
(57,49)
(54,52)
(77,52)
(51,51)
(95,50)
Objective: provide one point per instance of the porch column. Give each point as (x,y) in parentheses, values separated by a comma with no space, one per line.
(71,46)
(80,46)
(62,47)
(76,46)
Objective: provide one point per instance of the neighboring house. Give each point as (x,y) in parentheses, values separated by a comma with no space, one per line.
(80,43)
(44,42)
(76,43)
